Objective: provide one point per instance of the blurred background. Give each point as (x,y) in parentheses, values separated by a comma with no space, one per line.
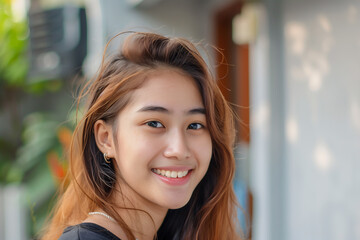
(291,69)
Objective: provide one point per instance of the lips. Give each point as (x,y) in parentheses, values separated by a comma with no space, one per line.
(170,174)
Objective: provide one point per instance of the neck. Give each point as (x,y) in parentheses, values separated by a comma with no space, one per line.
(141,216)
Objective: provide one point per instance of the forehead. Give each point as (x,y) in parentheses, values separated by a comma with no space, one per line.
(168,86)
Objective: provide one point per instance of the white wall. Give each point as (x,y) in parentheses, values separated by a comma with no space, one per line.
(170,17)
(13,219)
(305,118)
(260,129)
(322,119)
(268,165)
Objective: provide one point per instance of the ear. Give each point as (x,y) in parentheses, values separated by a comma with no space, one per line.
(104,138)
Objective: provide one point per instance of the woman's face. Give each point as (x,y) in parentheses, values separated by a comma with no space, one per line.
(163,146)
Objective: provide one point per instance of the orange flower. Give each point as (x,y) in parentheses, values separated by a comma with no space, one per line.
(57,168)
(64,135)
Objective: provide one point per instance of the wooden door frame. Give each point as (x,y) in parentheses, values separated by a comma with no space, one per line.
(223,40)
(236,92)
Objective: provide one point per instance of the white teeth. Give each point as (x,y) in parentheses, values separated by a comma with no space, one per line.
(182,174)
(174,174)
(171,174)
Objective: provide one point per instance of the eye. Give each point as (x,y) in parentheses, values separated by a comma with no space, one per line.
(195,126)
(155,124)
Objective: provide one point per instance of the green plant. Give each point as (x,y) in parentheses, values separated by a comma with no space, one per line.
(13,70)
(14,86)
(41,163)
(32,148)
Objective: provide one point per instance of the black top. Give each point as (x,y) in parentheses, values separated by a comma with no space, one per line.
(87,231)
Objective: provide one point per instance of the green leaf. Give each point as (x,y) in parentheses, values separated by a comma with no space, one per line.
(40,185)
(13,47)
(14,175)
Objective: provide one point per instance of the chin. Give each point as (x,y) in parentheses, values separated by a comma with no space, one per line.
(176,206)
(177,203)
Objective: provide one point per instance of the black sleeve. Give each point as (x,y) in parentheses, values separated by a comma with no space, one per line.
(87,231)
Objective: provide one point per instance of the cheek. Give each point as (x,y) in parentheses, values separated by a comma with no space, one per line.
(204,152)
(126,151)
(135,149)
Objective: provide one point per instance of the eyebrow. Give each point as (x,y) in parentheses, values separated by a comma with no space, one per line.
(164,110)
(197,111)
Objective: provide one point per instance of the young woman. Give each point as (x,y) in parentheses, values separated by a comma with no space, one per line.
(152,157)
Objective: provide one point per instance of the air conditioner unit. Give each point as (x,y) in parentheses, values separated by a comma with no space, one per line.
(58,43)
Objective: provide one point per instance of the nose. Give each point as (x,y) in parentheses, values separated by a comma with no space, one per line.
(177,146)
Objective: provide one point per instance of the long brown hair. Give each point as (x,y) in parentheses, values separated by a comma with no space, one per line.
(211,211)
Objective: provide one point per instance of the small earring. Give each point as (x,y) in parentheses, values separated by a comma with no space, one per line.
(106,158)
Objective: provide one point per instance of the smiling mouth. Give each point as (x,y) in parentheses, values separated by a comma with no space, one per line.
(170,174)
